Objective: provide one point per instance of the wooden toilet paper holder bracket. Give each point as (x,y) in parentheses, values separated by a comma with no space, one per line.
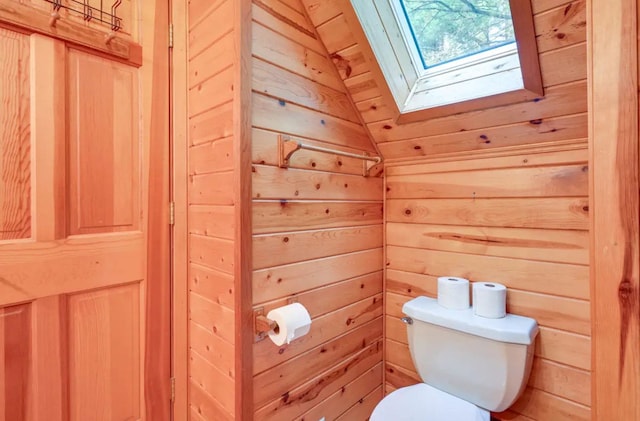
(261,324)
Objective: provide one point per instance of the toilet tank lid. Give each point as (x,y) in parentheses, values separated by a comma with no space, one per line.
(512,328)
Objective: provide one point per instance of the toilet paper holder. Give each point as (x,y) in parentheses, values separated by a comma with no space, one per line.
(262,325)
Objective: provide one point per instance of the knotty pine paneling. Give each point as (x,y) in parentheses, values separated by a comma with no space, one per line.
(560,27)
(475,218)
(445,215)
(317,228)
(211,212)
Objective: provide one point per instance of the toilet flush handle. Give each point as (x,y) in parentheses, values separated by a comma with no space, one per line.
(407,320)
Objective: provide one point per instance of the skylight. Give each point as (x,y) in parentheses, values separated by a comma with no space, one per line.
(437,53)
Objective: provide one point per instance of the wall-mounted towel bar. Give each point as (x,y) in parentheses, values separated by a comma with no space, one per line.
(371,165)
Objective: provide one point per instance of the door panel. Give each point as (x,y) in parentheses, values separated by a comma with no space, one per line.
(74,237)
(104,174)
(104,340)
(14,131)
(14,360)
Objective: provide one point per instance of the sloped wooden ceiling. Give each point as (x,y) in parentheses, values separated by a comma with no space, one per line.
(561,115)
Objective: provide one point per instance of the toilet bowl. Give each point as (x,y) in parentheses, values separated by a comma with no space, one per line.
(469,365)
(423,402)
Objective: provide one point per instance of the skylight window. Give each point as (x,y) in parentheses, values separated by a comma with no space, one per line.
(435,54)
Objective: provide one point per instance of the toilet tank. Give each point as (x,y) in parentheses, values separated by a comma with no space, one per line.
(483,361)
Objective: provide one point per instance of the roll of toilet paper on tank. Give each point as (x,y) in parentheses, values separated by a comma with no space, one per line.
(489,300)
(293,322)
(453,293)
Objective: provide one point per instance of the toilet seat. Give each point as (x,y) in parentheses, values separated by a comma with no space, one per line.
(422,402)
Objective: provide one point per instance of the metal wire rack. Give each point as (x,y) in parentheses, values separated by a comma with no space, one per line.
(91,12)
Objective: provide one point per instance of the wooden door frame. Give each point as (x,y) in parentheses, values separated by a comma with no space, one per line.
(156,101)
(612,48)
(179,182)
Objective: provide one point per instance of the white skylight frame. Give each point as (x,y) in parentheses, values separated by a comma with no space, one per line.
(510,73)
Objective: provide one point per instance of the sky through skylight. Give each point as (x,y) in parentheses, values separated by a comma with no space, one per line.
(446,30)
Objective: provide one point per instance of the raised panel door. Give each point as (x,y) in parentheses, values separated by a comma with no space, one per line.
(76,339)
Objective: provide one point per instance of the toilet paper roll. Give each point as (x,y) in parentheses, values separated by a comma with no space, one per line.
(293,322)
(489,300)
(453,292)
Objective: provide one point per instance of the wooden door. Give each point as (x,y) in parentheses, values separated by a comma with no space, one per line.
(84,304)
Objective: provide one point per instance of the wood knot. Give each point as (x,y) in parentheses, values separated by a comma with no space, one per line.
(625,290)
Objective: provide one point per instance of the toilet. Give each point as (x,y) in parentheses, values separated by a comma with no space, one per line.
(469,365)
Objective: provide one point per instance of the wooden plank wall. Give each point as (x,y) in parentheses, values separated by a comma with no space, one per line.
(561,114)
(211,336)
(520,219)
(449,197)
(317,229)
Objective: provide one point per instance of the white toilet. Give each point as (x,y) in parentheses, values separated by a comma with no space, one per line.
(470,365)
